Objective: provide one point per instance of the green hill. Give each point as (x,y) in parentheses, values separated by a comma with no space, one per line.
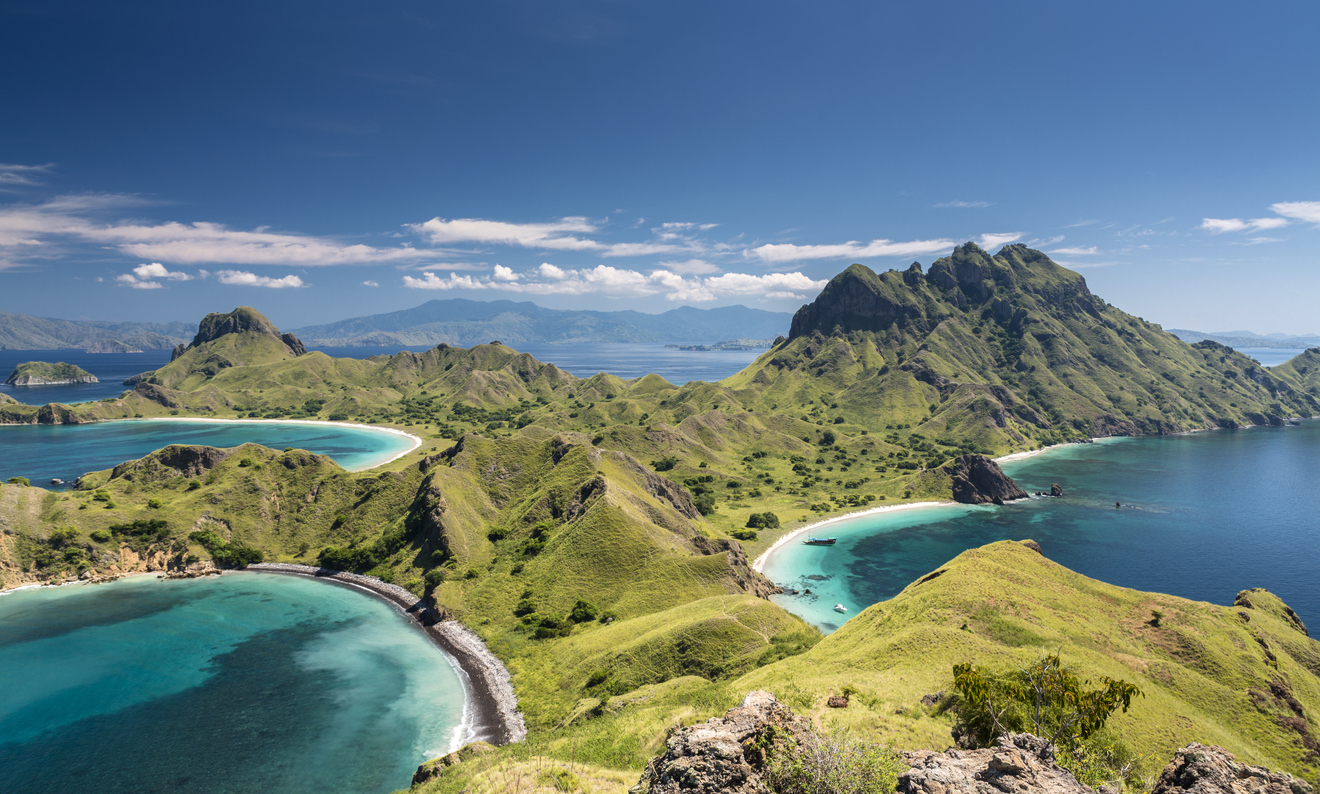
(40,373)
(1008,352)
(25,332)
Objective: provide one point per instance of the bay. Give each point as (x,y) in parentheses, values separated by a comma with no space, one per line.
(246,682)
(45,452)
(1203,516)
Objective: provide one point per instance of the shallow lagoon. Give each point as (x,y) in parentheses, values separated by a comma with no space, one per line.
(247,682)
(43,452)
(1204,516)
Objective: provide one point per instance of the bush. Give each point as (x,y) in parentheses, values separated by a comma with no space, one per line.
(1045,698)
(100,536)
(583,612)
(19,481)
(434,578)
(194,485)
(705,503)
(664,464)
(763,521)
(744,534)
(810,761)
(154,504)
(827,439)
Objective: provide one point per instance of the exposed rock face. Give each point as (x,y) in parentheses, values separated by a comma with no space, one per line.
(186,461)
(1055,490)
(1019,763)
(1202,769)
(244,318)
(977,480)
(718,755)
(178,351)
(433,768)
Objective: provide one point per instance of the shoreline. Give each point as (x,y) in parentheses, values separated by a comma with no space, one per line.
(417,441)
(490,708)
(758,564)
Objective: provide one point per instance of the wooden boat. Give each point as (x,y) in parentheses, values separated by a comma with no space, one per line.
(819,541)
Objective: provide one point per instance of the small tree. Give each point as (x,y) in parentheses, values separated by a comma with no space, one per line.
(1044,698)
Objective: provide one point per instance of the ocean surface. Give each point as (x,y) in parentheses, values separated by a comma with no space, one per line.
(1204,516)
(44,452)
(249,682)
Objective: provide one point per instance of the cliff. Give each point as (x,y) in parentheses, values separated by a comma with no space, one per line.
(42,373)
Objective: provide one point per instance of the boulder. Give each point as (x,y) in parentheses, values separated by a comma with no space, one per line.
(721,754)
(1207,769)
(1055,490)
(1019,763)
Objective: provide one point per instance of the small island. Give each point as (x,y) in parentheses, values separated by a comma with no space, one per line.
(113,346)
(44,373)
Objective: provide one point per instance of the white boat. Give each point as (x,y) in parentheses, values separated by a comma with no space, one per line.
(840,608)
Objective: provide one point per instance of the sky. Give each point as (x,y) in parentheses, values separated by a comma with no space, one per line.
(326,160)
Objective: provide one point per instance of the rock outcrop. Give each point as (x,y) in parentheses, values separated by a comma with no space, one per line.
(977,480)
(1207,769)
(1019,763)
(721,754)
(240,320)
(433,768)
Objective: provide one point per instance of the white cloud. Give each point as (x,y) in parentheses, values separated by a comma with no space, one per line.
(369,283)
(503,273)
(1076,251)
(645,249)
(556,236)
(692,267)
(961,204)
(784,296)
(157,270)
(244,279)
(20,175)
(606,280)
(1221,225)
(989,241)
(76,218)
(1307,211)
(1259,240)
(787,252)
(129,280)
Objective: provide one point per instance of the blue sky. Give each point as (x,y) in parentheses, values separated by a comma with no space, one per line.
(326,160)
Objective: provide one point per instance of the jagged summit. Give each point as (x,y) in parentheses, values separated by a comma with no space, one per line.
(240,320)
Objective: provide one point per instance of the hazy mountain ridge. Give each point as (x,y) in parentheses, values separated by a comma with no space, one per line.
(26,332)
(1249,339)
(465,323)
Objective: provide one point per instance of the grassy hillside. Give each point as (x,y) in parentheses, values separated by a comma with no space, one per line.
(25,332)
(1246,677)
(1007,352)
(596,532)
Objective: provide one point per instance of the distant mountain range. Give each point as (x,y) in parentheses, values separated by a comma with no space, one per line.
(25,332)
(465,323)
(1249,339)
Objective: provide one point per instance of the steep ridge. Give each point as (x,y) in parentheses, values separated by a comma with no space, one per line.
(1011,352)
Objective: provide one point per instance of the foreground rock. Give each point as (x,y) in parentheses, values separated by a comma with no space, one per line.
(977,480)
(721,754)
(1019,763)
(1202,769)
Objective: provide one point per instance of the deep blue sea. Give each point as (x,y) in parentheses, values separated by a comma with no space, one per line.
(245,683)
(1204,516)
(44,452)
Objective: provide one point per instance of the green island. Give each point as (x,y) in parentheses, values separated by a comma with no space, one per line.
(42,373)
(597,533)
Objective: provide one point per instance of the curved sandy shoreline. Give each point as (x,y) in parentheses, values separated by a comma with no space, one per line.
(416,440)
(490,710)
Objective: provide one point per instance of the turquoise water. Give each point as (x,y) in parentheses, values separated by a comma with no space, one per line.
(249,682)
(1204,516)
(43,452)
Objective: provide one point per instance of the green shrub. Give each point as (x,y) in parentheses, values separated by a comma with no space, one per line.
(194,485)
(20,481)
(705,503)
(763,521)
(810,761)
(434,578)
(244,463)
(583,612)
(155,504)
(744,534)
(665,463)
(100,536)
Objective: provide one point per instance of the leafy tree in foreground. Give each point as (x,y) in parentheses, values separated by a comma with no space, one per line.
(1045,698)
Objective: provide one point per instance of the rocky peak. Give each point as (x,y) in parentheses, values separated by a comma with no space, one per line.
(244,319)
(965,271)
(978,480)
(859,300)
